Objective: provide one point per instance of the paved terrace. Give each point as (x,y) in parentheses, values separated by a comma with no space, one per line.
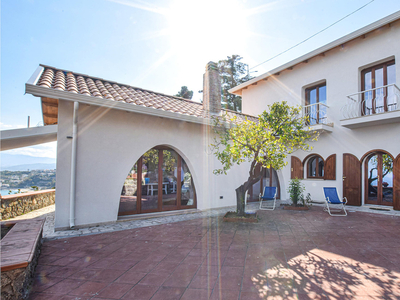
(287,255)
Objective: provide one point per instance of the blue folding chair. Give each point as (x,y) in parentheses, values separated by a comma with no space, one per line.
(332,198)
(268,196)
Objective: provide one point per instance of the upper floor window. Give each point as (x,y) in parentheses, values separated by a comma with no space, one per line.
(378,88)
(315,108)
(315,167)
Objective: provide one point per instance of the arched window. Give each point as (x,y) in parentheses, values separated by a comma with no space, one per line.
(315,167)
(160,180)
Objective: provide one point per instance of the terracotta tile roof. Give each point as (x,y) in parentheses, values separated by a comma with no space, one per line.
(70,82)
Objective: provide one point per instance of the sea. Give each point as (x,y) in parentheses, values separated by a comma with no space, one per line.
(13,191)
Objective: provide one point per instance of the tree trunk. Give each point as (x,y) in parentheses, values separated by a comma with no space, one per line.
(240,194)
(254,175)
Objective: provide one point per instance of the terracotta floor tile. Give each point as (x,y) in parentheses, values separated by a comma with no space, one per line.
(45,270)
(234,262)
(47,259)
(115,290)
(165,267)
(209,270)
(196,294)
(186,270)
(88,289)
(282,259)
(85,274)
(130,277)
(41,283)
(64,261)
(227,282)
(144,266)
(187,245)
(168,293)
(232,271)
(252,295)
(83,262)
(42,296)
(141,292)
(65,272)
(156,279)
(203,282)
(196,260)
(71,297)
(219,294)
(107,275)
(65,286)
(178,280)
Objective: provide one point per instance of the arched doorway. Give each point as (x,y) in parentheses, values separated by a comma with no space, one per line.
(269,178)
(159,181)
(378,178)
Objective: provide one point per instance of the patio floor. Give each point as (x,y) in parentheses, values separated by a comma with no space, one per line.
(287,255)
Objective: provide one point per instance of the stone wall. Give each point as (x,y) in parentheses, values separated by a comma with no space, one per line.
(16,284)
(19,204)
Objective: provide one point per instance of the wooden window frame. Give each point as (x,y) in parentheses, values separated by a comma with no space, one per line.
(160,207)
(372,70)
(316,166)
(307,97)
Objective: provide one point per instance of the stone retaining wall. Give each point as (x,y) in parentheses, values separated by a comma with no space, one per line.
(17,284)
(20,250)
(19,204)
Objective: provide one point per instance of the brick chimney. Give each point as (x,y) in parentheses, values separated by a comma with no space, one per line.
(212,89)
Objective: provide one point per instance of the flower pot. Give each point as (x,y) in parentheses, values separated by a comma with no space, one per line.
(290,207)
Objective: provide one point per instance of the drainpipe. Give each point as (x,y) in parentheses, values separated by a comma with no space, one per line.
(73,166)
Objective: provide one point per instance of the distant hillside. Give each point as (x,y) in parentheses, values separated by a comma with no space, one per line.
(26,167)
(14,162)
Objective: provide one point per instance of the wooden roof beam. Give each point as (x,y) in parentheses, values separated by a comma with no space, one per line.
(47,115)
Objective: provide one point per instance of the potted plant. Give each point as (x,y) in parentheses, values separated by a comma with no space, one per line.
(296,192)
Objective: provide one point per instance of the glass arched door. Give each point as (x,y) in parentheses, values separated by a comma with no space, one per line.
(379,179)
(269,178)
(159,181)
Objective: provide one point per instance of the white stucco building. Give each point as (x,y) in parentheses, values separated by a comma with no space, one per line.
(349,89)
(124,150)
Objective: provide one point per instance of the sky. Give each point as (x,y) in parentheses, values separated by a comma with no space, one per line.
(157,45)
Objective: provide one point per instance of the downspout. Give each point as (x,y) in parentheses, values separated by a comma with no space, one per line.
(73,166)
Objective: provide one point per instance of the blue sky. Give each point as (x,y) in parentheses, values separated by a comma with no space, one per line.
(157,45)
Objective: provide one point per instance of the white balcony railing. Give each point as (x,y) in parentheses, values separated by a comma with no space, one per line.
(316,113)
(374,101)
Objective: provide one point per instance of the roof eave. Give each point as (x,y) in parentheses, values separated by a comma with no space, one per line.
(351,36)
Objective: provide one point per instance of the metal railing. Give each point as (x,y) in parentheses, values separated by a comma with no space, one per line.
(374,101)
(316,114)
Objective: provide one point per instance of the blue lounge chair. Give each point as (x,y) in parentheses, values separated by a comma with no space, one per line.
(332,198)
(268,196)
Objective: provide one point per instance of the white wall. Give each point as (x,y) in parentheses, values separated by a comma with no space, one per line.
(341,69)
(110,142)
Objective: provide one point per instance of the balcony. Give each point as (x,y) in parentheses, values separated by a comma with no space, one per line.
(372,107)
(317,115)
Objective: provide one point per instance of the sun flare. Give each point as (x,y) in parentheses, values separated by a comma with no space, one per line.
(206,26)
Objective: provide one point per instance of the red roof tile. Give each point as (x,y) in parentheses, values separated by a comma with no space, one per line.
(70,82)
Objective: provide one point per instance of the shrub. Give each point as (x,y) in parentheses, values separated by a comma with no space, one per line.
(296,190)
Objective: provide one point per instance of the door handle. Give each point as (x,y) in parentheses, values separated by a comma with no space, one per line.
(344,178)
